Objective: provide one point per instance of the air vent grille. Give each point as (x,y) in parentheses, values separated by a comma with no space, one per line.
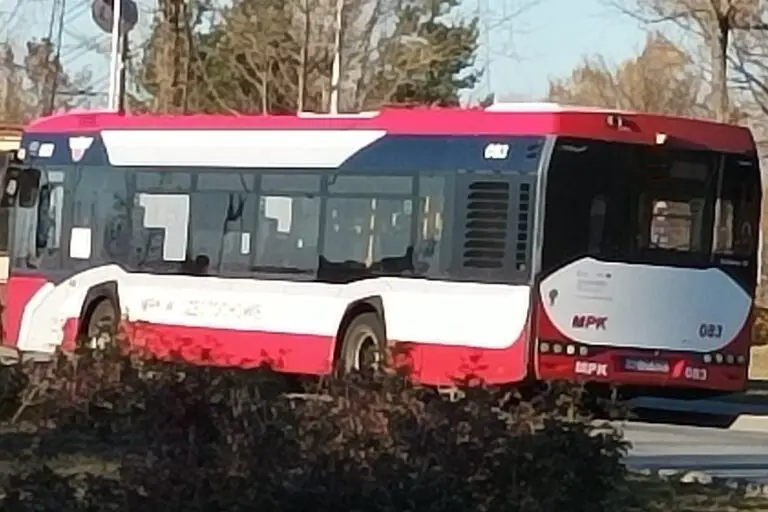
(523,219)
(485,239)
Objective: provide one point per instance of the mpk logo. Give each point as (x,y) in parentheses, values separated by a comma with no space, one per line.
(589,321)
(590,368)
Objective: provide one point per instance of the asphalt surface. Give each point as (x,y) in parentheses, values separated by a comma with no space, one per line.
(734,406)
(718,452)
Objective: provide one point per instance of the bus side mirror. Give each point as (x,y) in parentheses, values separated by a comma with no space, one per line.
(21,187)
(10,190)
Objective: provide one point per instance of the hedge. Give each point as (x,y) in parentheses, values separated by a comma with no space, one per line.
(202,439)
(760,331)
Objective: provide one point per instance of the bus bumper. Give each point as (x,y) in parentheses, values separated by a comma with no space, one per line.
(659,369)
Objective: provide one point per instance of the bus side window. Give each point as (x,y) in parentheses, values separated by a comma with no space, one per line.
(44,219)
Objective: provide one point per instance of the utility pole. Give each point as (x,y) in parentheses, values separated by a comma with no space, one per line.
(116,59)
(121,79)
(336,69)
(116,18)
(53,58)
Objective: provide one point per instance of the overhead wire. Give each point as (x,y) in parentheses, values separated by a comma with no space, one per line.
(57,57)
(83,46)
(14,12)
(68,46)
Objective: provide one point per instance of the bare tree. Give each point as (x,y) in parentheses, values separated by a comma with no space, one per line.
(276,55)
(715,22)
(749,59)
(661,79)
(29,83)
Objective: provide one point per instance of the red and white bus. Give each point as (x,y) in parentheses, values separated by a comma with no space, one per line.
(523,241)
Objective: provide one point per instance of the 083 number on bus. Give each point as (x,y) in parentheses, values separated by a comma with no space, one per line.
(710,330)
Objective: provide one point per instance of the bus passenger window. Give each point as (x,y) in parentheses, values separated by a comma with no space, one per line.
(44,219)
(287,233)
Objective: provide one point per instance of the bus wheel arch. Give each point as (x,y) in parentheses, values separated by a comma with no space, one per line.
(100,314)
(361,339)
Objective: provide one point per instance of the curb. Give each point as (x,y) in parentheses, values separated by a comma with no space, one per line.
(750,423)
(741,485)
(757,385)
(9,356)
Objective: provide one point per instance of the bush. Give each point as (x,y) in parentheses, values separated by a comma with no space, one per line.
(760,329)
(202,439)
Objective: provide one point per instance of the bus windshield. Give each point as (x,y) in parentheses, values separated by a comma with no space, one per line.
(652,205)
(298,225)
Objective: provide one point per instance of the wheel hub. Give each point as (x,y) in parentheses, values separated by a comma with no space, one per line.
(367,355)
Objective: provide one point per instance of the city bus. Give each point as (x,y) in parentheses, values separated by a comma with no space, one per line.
(520,242)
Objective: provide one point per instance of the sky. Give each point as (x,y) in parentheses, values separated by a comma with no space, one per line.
(549,39)
(520,51)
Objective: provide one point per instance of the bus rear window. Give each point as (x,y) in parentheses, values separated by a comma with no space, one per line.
(647,205)
(673,225)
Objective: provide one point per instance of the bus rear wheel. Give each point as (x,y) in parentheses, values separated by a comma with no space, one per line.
(363,346)
(102,325)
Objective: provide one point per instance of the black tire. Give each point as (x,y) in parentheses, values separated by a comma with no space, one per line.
(363,344)
(102,325)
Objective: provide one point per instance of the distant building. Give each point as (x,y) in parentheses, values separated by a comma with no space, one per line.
(10,138)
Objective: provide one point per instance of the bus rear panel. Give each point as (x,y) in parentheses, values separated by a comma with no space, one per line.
(649,264)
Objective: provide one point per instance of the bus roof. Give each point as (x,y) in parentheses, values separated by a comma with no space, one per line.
(499,119)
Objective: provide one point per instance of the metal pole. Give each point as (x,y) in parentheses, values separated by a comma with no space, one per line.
(336,69)
(115,59)
(121,81)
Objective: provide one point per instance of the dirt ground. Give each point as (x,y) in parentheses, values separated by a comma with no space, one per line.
(758,369)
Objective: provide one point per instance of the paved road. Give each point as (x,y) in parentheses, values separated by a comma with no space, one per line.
(727,406)
(718,452)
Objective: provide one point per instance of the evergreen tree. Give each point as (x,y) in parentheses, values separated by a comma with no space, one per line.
(275,56)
